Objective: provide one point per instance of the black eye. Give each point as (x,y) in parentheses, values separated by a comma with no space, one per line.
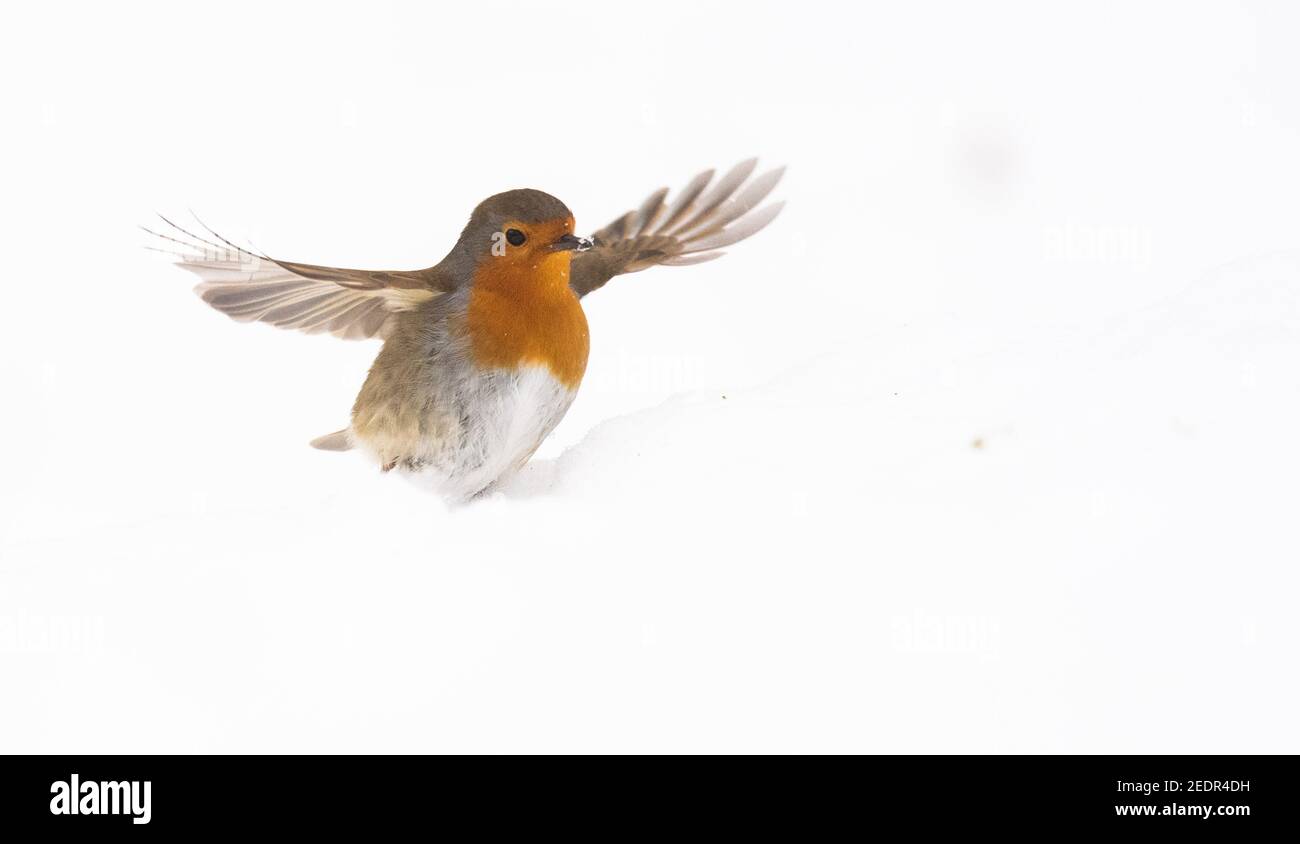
(516,237)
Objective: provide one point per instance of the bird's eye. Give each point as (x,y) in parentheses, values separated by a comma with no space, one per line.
(516,237)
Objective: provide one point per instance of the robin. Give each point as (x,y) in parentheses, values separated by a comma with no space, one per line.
(484,351)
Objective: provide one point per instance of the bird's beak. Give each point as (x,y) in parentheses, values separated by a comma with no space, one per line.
(571,243)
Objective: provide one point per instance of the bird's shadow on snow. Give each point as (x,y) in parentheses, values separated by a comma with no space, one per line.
(537,478)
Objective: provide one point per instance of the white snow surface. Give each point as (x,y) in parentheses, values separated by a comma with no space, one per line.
(988,444)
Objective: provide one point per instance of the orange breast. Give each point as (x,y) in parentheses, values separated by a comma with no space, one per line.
(522,311)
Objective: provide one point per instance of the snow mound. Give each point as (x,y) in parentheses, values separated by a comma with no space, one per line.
(887,548)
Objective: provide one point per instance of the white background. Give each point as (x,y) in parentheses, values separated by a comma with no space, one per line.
(989,443)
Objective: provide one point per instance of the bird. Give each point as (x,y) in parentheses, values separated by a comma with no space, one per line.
(483,352)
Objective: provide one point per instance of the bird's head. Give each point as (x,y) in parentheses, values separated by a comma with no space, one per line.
(524,230)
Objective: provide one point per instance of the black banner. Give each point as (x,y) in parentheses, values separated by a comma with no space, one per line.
(137,795)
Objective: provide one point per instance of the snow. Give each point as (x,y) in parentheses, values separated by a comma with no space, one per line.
(986,444)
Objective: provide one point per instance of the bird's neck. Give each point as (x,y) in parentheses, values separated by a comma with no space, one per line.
(522,311)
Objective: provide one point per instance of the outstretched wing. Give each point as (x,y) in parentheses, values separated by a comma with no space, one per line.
(246,286)
(690,230)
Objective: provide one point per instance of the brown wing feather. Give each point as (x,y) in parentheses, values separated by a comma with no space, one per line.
(353,304)
(699,221)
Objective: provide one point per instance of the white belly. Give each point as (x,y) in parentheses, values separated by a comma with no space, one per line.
(505,416)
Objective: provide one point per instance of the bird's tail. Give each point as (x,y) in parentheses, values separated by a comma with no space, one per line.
(337,441)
